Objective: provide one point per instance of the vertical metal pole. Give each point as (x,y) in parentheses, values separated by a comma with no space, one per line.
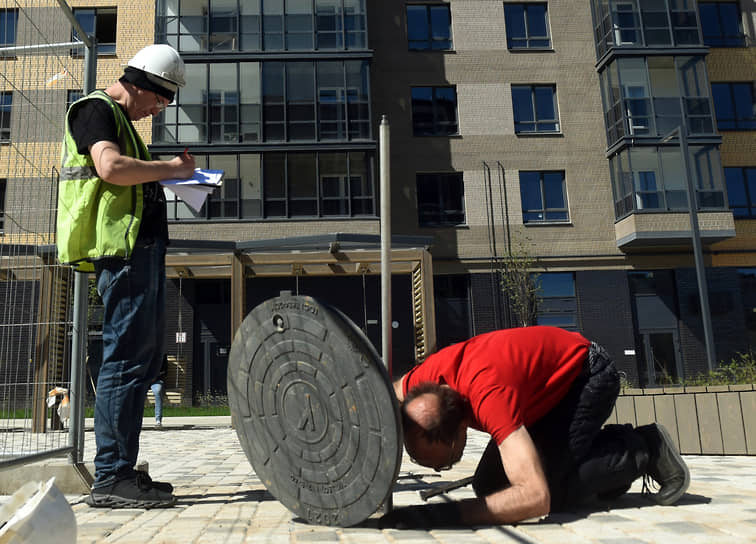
(386,345)
(385,165)
(78,362)
(703,290)
(79,332)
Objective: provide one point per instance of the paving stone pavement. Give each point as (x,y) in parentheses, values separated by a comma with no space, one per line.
(220,499)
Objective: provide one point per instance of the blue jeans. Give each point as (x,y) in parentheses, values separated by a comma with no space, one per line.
(157,392)
(133,296)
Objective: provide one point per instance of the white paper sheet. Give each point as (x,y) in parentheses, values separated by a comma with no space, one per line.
(194,191)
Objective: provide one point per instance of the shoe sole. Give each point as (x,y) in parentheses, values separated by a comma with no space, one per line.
(672,499)
(119,502)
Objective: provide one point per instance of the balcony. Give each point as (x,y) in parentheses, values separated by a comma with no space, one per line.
(671,229)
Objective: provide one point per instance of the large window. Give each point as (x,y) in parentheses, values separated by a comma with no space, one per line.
(735,105)
(741,191)
(453,312)
(535,108)
(644,23)
(270,25)
(721,25)
(3,189)
(527,26)
(748,292)
(648,96)
(557,303)
(100,23)
(250,102)
(8,24)
(434,111)
(653,179)
(6,102)
(544,198)
(276,185)
(440,199)
(429,27)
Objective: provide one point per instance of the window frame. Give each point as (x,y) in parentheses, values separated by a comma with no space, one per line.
(429,41)
(747,178)
(104,48)
(736,122)
(508,6)
(274,121)
(360,192)
(557,306)
(257,30)
(444,216)
(545,210)
(722,39)
(534,110)
(3,196)
(6,110)
(437,123)
(4,14)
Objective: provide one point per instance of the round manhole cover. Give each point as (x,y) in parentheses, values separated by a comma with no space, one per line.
(314,410)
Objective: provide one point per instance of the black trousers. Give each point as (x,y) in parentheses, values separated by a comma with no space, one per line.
(581,457)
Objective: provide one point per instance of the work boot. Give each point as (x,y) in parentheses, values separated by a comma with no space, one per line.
(130,493)
(665,465)
(144,480)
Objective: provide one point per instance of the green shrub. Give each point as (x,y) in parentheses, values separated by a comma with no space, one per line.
(742,369)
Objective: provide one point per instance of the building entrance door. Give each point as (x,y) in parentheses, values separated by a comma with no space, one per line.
(661,354)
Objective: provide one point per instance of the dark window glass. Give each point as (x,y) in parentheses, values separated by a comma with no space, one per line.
(440,199)
(557,303)
(101,23)
(429,27)
(72,96)
(527,26)
(748,293)
(270,101)
(300,100)
(3,189)
(720,23)
(734,105)
(741,191)
(535,108)
(8,24)
(6,103)
(453,315)
(543,197)
(434,111)
(274,184)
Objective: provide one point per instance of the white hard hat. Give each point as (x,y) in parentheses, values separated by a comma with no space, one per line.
(163,61)
(37,512)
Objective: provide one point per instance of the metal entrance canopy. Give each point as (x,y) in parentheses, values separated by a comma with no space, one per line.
(335,254)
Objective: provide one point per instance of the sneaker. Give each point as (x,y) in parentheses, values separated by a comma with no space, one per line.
(144,479)
(665,465)
(158,425)
(130,493)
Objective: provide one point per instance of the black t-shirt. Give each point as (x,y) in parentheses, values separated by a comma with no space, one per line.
(93,121)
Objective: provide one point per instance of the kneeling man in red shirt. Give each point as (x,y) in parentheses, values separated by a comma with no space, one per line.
(543,394)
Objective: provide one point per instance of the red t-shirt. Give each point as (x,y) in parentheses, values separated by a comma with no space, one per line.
(511,377)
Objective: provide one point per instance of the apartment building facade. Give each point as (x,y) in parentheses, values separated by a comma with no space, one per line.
(541,129)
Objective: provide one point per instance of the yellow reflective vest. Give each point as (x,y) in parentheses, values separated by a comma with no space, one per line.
(96,218)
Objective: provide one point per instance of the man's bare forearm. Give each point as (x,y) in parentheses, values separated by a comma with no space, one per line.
(509,505)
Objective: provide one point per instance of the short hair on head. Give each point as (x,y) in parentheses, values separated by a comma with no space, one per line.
(452,410)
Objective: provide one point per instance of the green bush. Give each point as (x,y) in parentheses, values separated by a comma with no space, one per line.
(742,369)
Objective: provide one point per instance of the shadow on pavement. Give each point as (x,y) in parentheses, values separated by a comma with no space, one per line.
(255,495)
(627,501)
